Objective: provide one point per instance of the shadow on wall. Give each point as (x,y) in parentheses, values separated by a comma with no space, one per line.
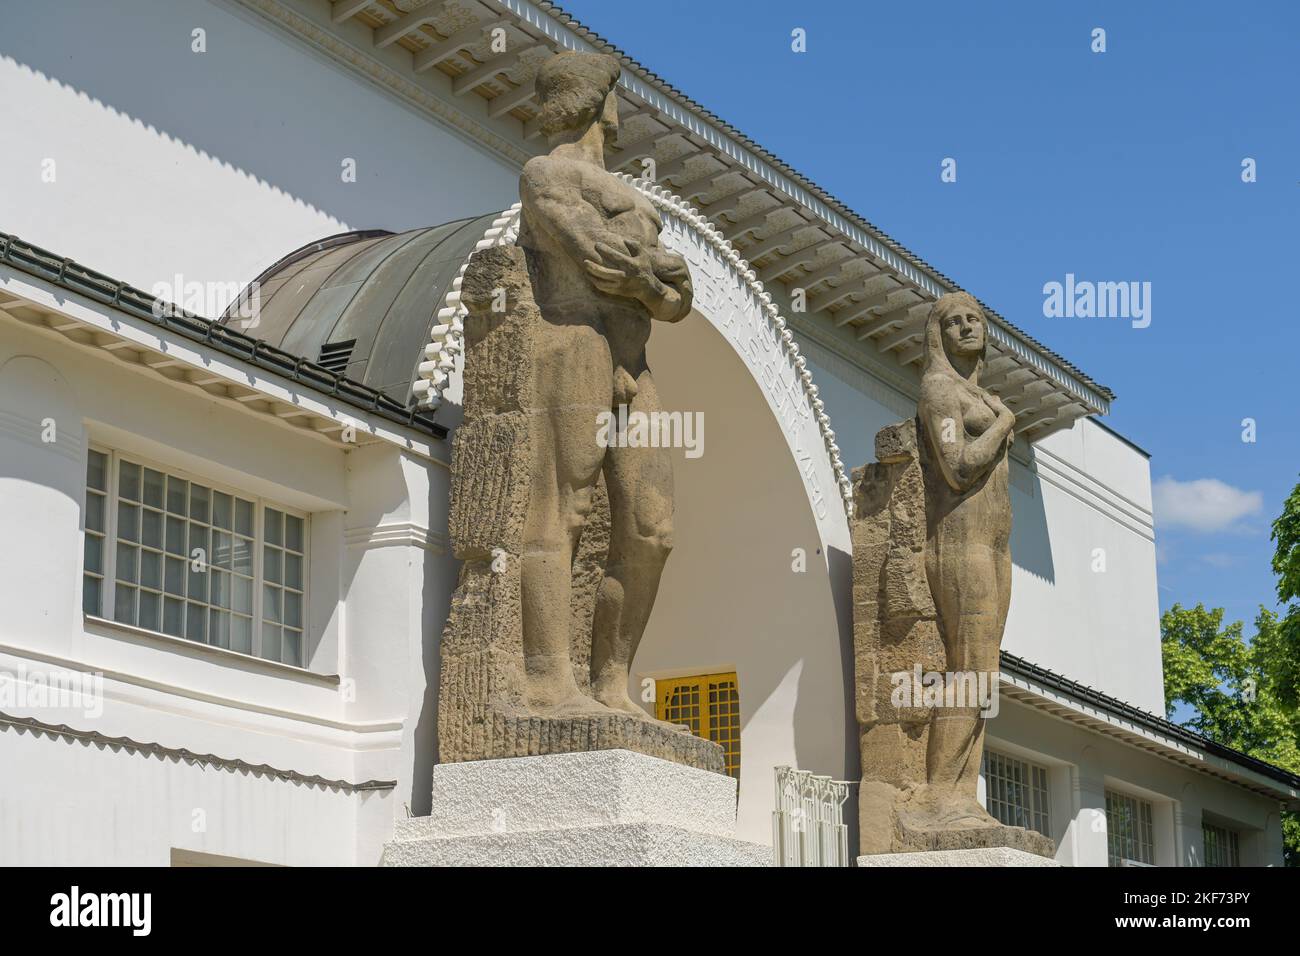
(1031,540)
(246,103)
(730,597)
(42,489)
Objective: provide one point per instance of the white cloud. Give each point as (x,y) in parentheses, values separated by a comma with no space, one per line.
(1204,504)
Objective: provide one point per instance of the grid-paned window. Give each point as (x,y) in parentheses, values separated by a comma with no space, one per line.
(1016,792)
(1129,831)
(177,555)
(282,560)
(92,594)
(1222,846)
(709,705)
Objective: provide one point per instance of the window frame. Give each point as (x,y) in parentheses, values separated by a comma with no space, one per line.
(666,686)
(1033,811)
(1149,823)
(1230,848)
(108,575)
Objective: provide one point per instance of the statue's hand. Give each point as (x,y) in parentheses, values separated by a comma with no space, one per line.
(999,407)
(627,273)
(671,268)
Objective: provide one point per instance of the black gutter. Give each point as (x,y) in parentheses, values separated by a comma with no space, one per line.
(1041,675)
(73,277)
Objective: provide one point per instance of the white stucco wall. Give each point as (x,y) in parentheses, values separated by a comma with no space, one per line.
(377,578)
(1083,599)
(209,165)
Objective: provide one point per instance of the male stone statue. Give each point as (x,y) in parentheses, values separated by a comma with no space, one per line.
(563,539)
(599,278)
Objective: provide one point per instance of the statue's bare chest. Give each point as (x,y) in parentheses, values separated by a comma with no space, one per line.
(977,417)
(627,211)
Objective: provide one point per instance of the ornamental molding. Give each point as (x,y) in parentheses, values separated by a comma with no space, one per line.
(148,749)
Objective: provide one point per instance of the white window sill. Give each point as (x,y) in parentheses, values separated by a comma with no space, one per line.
(167,642)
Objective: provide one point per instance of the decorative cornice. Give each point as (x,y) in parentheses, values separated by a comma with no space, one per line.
(144,748)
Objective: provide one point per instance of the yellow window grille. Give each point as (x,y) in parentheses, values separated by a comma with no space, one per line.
(709,704)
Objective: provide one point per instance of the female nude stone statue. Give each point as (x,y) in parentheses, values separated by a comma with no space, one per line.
(599,278)
(967,550)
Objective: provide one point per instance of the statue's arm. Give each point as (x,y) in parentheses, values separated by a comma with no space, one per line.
(963,460)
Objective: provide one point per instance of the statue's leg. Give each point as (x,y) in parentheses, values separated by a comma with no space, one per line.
(640,485)
(565,464)
(971,614)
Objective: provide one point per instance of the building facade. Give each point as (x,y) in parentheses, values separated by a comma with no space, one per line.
(227,566)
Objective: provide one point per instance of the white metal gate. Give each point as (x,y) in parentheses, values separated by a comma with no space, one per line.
(808,827)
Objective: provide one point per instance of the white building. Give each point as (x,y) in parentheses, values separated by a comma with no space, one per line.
(272,698)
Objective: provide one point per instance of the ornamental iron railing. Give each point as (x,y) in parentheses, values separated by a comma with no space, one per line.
(808,827)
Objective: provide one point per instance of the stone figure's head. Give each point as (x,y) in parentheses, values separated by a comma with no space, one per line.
(956,332)
(576,90)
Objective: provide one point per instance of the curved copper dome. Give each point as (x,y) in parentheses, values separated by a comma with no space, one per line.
(362,303)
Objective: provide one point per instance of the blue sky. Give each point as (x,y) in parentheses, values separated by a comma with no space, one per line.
(1115,166)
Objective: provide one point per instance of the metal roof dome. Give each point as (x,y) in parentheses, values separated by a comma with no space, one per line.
(362,303)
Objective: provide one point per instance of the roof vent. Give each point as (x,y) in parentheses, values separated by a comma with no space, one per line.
(334,355)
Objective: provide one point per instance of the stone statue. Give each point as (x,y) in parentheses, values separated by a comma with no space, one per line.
(599,278)
(564,539)
(932,576)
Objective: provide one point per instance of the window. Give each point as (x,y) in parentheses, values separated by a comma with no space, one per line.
(710,706)
(182,557)
(1016,792)
(1129,830)
(1222,846)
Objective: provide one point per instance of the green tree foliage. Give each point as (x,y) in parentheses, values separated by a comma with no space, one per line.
(1245,694)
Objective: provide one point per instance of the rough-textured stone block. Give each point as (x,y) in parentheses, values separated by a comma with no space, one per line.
(612,808)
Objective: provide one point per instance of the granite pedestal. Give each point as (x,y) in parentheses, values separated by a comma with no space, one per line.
(600,808)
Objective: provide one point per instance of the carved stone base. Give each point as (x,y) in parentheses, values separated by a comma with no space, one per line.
(892,821)
(498,735)
(974,838)
(612,808)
